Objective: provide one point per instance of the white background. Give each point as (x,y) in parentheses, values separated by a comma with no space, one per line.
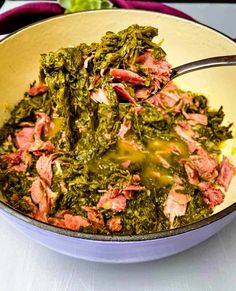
(27,266)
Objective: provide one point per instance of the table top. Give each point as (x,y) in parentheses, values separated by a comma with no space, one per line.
(27,266)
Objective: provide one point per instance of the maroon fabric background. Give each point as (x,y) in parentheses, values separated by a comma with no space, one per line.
(31,12)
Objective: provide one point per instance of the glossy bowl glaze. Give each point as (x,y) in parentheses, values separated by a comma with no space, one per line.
(184,41)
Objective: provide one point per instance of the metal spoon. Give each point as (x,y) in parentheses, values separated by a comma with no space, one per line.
(201,64)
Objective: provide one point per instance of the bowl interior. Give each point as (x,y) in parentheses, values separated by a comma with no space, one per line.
(184,41)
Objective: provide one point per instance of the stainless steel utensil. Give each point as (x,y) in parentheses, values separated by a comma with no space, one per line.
(201,64)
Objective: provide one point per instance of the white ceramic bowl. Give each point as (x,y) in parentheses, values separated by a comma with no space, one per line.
(184,41)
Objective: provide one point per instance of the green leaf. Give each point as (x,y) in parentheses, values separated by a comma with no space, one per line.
(81,5)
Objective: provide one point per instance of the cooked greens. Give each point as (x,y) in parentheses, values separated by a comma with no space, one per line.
(94,147)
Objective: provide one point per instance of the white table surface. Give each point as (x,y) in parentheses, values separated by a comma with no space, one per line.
(27,266)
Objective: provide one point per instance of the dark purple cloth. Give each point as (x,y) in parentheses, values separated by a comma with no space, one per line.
(151,6)
(26,14)
(31,12)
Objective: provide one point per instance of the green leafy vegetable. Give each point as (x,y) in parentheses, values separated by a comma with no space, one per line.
(113,159)
(81,5)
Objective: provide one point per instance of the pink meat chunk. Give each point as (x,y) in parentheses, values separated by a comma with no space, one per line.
(226,173)
(122,92)
(192,173)
(205,165)
(75,222)
(24,138)
(113,200)
(100,96)
(37,89)
(114,224)
(127,76)
(94,216)
(212,196)
(42,196)
(39,197)
(175,204)
(124,128)
(198,118)
(42,125)
(44,168)
(159,69)
(184,130)
(18,161)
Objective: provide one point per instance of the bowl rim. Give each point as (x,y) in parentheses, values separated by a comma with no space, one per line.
(118,238)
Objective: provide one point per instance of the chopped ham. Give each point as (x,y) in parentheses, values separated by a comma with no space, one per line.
(162,160)
(75,222)
(83,129)
(127,76)
(169,99)
(192,146)
(128,189)
(186,98)
(38,146)
(37,89)
(30,138)
(125,126)
(112,200)
(184,130)
(34,209)
(24,138)
(175,204)
(178,106)
(170,86)
(42,125)
(18,161)
(159,69)
(44,168)
(94,216)
(142,93)
(197,118)
(121,90)
(137,110)
(204,164)
(113,192)
(175,149)
(43,196)
(136,178)
(100,96)
(57,222)
(157,101)
(212,196)
(68,221)
(117,204)
(192,173)
(226,173)
(39,197)
(114,223)
(126,163)
(61,213)
(12,159)
(128,194)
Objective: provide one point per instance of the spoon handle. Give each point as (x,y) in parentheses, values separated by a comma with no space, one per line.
(203,64)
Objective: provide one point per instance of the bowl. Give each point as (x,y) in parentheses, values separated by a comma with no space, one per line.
(184,41)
